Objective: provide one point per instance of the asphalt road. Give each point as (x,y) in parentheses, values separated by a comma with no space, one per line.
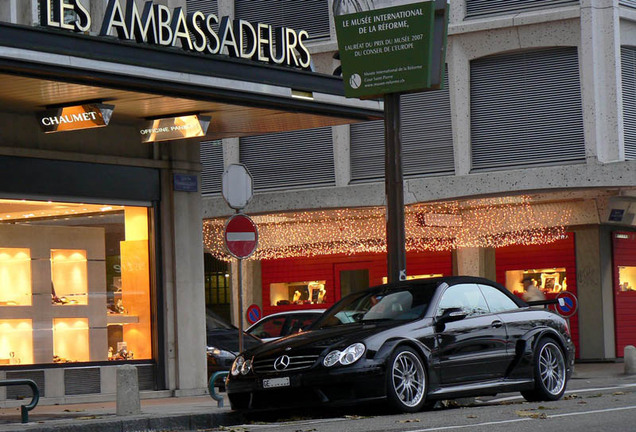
(590,408)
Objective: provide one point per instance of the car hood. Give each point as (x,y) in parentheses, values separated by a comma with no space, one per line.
(338,337)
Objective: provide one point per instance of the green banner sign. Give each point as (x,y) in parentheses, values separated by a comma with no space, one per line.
(388,50)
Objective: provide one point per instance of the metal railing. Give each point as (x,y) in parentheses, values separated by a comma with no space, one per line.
(24,409)
(217,397)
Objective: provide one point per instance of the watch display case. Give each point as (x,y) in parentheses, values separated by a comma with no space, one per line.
(69,277)
(15,277)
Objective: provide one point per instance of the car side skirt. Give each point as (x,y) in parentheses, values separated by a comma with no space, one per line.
(481,389)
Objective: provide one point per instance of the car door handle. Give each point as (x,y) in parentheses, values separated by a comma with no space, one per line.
(496,324)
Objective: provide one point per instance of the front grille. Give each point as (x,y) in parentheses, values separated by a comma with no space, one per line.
(296,363)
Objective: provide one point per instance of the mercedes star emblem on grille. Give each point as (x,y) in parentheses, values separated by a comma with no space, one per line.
(281,362)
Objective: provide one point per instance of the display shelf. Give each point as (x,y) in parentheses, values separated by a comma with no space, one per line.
(15,277)
(121,319)
(69,277)
(70,340)
(16,341)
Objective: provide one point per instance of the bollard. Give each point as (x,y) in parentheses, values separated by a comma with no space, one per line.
(127,391)
(630,360)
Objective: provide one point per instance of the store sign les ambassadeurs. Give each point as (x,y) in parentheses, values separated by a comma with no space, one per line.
(159,25)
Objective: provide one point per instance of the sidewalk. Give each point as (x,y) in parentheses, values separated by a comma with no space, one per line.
(163,414)
(202,412)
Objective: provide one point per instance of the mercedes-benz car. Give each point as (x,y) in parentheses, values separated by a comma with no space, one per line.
(411,343)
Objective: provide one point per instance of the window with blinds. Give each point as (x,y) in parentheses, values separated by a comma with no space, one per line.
(526,109)
(630,3)
(205,6)
(309,15)
(628,72)
(290,159)
(476,8)
(427,141)
(212,167)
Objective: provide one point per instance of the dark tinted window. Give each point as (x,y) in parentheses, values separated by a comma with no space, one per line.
(407,303)
(497,301)
(467,297)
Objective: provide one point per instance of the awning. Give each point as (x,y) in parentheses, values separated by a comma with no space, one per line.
(41,68)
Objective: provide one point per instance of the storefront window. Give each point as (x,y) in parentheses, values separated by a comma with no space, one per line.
(74,282)
(627,278)
(549,280)
(297,293)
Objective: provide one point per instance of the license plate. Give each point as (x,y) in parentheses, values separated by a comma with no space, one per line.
(276,382)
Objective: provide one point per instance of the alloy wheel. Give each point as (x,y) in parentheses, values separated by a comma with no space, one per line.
(408,378)
(552,368)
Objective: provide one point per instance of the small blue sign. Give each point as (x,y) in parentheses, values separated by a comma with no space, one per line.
(185,183)
(253,313)
(616,215)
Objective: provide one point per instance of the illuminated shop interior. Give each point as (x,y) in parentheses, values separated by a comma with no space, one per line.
(297,293)
(74,282)
(549,280)
(627,278)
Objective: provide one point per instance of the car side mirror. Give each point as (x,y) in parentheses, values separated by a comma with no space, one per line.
(449,315)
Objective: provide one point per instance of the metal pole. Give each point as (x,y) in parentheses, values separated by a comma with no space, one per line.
(240,303)
(394,187)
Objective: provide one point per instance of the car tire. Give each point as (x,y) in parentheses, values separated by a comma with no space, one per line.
(406,380)
(550,372)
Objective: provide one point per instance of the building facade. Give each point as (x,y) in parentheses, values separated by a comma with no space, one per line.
(523,164)
(102,108)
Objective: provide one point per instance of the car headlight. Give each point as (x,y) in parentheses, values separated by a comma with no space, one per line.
(237,365)
(332,358)
(352,354)
(349,356)
(214,351)
(246,367)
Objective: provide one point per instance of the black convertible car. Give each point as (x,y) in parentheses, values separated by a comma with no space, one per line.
(411,343)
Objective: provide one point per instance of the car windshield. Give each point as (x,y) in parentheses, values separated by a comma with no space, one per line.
(397,304)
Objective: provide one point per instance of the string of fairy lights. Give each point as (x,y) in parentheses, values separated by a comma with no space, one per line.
(490,222)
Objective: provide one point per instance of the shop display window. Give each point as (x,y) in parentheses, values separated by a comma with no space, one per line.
(16,341)
(627,278)
(75,283)
(549,280)
(297,293)
(15,277)
(69,283)
(70,340)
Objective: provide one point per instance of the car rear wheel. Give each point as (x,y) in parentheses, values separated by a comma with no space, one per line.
(550,372)
(406,380)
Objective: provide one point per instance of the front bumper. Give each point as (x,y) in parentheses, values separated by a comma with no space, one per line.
(315,386)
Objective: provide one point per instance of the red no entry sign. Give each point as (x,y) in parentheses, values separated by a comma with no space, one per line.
(241,236)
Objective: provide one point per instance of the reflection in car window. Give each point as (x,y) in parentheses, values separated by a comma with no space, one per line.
(403,304)
(467,297)
(269,328)
(498,301)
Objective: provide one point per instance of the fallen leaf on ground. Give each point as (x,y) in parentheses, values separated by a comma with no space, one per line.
(409,421)
(531,414)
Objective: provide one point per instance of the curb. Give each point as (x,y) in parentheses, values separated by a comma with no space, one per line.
(143,423)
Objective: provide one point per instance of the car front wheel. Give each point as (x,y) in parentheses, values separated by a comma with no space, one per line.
(406,380)
(550,373)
